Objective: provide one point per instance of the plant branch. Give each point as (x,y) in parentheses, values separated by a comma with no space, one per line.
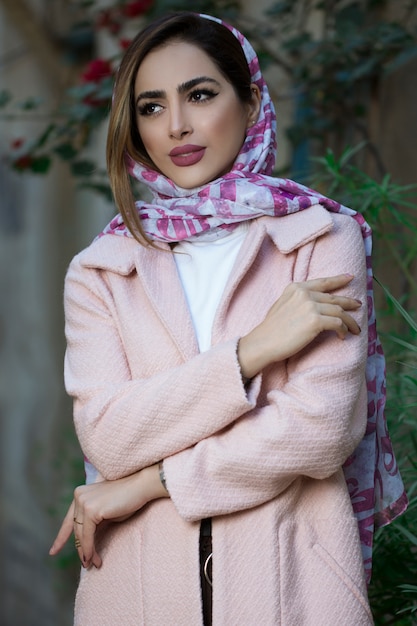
(398,259)
(370,145)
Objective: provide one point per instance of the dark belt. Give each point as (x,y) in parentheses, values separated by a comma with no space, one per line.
(206,556)
(205,528)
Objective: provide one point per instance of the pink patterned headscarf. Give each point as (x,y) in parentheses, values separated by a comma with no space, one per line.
(249,191)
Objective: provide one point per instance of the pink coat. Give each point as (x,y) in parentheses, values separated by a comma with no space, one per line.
(266,464)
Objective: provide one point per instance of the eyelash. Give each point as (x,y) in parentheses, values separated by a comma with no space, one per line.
(203,92)
(145,110)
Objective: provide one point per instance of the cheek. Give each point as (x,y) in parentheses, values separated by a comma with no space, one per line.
(146,136)
(230,123)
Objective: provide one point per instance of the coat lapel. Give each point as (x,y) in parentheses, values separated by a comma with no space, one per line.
(158,274)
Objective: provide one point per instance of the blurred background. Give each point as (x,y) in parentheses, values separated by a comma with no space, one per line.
(343,75)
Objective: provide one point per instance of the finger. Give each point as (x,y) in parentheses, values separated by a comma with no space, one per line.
(329,283)
(352,325)
(335,318)
(78,542)
(345,302)
(336,324)
(64,532)
(96,560)
(88,540)
(79,548)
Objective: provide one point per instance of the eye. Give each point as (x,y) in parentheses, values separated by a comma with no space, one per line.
(202,95)
(149,108)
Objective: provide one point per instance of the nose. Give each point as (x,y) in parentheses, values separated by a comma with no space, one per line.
(179,124)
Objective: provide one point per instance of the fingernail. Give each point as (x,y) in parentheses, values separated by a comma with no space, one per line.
(358,301)
(349,275)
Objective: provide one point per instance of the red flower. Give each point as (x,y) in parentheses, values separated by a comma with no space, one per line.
(104,19)
(17,143)
(125,43)
(24,162)
(110,19)
(133,9)
(97,70)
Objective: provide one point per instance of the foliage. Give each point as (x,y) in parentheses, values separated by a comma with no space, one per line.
(335,54)
(389,208)
(393,590)
(336,73)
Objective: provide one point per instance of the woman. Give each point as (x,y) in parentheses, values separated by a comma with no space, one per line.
(219,370)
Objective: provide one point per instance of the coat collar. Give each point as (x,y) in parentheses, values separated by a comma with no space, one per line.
(297,229)
(122,255)
(156,268)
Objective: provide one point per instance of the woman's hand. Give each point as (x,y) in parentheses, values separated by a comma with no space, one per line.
(111,501)
(302,312)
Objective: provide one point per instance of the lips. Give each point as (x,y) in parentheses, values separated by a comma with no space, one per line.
(189,154)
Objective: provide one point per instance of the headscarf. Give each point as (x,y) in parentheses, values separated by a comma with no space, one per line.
(249,191)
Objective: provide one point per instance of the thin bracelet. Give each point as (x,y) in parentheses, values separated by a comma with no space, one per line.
(245,379)
(162,474)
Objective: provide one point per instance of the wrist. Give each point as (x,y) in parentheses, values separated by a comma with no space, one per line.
(162,475)
(152,484)
(251,356)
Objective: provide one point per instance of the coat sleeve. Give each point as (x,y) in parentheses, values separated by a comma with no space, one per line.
(308,426)
(123,423)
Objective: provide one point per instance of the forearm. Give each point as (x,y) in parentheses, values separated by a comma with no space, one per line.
(156,417)
(106,501)
(299,433)
(153,485)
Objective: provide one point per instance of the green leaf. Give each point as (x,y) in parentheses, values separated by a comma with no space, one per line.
(401,59)
(41,164)
(83,168)
(82,91)
(45,136)
(100,188)
(404,344)
(412,588)
(66,151)
(399,307)
(30,104)
(410,536)
(280,8)
(5,98)
(364,69)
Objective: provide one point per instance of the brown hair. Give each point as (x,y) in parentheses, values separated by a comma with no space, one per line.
(217,41)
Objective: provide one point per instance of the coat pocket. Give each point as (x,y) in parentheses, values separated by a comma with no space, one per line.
(345,579)
(111,595)
(322,586)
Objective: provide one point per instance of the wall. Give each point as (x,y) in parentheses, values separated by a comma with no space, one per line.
(44,221)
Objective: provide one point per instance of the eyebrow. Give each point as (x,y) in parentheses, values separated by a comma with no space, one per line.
(183,88)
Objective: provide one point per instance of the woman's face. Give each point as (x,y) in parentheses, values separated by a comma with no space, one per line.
(189,116)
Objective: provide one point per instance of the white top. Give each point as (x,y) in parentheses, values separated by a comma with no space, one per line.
(204,268)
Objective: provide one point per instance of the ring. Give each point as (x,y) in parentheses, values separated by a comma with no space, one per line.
(77,522)
(206,567)
(77,543)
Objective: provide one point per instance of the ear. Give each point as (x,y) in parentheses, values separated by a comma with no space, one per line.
(254,105)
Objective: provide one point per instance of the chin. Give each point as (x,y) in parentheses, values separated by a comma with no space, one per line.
(191,184)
